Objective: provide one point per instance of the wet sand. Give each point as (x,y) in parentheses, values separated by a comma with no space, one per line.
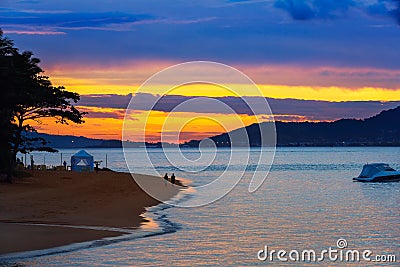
(109,199)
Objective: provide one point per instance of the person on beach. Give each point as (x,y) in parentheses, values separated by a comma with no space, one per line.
(65,165)
(96,167)
(173,178)
(32,163)
(166,176)
(20,164)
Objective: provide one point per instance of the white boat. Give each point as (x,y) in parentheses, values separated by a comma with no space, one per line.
(378,172)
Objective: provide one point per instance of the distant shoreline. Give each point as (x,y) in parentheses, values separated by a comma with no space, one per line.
(104,199)
(380,130)
(80,142)
(281,145)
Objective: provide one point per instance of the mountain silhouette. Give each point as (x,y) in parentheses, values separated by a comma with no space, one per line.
(380,130)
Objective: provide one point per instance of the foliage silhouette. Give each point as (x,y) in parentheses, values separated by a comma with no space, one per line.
(26,96)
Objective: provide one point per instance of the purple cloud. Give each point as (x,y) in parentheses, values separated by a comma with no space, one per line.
(236,33)
(333,9)
(284,109)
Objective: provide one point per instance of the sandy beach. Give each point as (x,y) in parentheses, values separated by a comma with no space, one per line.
(105,198)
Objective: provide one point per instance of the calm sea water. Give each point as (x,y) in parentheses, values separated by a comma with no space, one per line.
(307,202)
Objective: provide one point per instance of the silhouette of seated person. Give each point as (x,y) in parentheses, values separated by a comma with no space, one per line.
(173,178)
(166,176)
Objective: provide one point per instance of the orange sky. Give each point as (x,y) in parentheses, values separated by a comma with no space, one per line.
(274,81)
(107,123)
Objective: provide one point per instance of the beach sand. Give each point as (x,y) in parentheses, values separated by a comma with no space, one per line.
(110,199)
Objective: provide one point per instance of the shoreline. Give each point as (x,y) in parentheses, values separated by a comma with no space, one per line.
(59,208)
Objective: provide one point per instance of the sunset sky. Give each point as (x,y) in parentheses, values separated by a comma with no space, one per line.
(314,59)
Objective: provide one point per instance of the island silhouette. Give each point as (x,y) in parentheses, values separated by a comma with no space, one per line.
(382,129)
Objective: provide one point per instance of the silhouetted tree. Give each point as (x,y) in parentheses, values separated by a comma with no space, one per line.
(8,100)
(28,96)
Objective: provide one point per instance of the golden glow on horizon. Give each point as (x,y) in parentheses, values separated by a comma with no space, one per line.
(182,126)
(101,128)
(332,93)
(107,123)
(126,78)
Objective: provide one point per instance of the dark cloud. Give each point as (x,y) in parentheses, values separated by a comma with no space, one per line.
(254,32)
(298,10)
(68,20)
(28,1)
(386,7)
(110,114)
(283,109)
(105,100)
(396,12)
(332,9)
(103,111)
(325,110)
(310,9)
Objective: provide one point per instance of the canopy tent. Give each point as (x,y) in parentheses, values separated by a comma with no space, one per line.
(82,162)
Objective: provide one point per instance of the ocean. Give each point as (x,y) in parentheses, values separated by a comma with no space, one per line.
(308,202)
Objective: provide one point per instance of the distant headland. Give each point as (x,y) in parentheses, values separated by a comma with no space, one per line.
(382,129)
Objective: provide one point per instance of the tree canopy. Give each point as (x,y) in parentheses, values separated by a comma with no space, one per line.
(27,95)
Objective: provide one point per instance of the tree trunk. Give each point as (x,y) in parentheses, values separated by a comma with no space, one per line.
(12,162)
(10,171)
(5,144)
(6,163)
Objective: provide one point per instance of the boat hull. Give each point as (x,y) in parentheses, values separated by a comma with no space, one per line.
(379,179)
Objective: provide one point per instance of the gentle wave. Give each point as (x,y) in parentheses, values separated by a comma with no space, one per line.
(263,167)
(156,213)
